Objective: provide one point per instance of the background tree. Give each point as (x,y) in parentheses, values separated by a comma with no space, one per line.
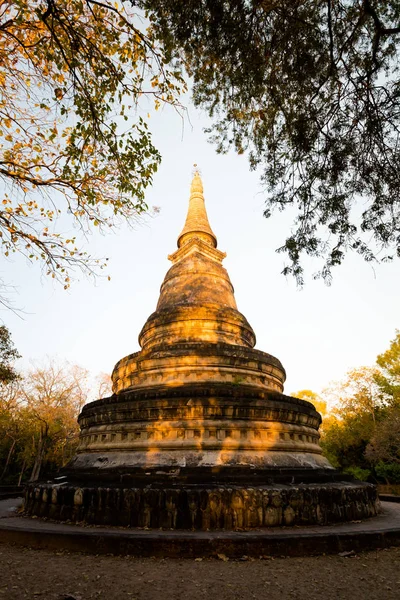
(358,405)
(360,393)
(8,354)
(361,435)
(319,403)
(310,90)
(73,140)
(104,385)
(388,377)
(53,396)
(38,420)
(383,451)
(384,447)
(11,425)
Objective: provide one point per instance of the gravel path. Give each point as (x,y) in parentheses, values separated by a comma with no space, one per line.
(35,574)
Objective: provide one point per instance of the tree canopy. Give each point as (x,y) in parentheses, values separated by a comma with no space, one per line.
(8,354)
(38,420)
(361,433)
(310,91)
(389,364)
(74,141)
(319,404)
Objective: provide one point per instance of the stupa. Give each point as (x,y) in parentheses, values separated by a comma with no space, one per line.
(198,433)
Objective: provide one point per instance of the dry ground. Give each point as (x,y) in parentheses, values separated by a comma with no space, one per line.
(36,574)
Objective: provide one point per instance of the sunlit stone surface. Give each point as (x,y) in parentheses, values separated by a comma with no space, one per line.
(198,432)
(197,394)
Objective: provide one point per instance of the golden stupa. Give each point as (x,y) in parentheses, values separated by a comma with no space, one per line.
(198,432)
(197,337)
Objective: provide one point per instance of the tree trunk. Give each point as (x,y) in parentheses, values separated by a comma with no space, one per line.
(22,472)
(38,460)
(10,453)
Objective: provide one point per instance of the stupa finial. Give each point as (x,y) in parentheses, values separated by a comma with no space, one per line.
(197,184)
(197,224)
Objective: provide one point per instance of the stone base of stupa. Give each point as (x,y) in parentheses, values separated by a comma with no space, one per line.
(156,503)
(202,457)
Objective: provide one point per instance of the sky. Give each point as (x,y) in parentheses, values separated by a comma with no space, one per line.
(318,332)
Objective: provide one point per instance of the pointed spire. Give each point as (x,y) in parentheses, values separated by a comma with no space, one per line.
(197,224)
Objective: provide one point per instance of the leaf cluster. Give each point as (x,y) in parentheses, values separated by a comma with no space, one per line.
(73,140)
(363,430)
(8,354)
(38,419)
(311,91)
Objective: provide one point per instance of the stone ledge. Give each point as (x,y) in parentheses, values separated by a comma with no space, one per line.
(201,349)
(200,393)
(378,532)
(224,416)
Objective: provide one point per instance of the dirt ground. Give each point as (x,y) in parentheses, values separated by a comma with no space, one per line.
(35,574)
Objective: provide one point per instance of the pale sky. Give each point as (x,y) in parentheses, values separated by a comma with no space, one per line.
(318,332)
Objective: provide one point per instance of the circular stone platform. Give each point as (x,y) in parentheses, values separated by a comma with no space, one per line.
(203,507)
(377,532)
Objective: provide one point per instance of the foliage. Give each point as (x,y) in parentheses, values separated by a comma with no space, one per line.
(310,90)
(310,396)
(385,442)
(38,426)
(104,385)
(73,142)
(358,473)
(359,393)
(363,430)
(53,397)
(389,376)
(8,354)
(389,472)
(345,439)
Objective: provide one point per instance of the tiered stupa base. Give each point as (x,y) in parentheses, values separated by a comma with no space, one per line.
(201,457)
